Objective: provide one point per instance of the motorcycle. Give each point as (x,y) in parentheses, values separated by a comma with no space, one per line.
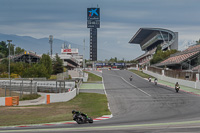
(155,81)
(131,78)
(149,79)
(177,89)
(81,119)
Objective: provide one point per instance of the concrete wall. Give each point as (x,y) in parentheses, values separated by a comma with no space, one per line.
(2,101)
(62,97)
(187,83)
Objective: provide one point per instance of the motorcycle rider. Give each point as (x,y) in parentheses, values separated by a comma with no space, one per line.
(76,113)
(131,78)
(149,79)
(155,81)
(177,85)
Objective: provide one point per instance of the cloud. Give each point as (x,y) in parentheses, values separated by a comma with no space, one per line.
(120,20)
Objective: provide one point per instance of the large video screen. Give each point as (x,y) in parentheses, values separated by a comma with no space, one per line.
(93,13)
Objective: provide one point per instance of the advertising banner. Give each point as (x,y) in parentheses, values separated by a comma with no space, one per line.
(69,51)
(93,13)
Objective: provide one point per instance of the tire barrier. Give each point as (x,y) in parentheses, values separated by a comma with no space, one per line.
(9,101)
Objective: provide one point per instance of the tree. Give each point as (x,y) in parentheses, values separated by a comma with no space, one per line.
(4,48)
(159,48)
(113,59)
(161,55)
(19,50)
(37,70)
(4,65)
(58,65)
(3,68)
(1,55)
(47,62)
(19,67)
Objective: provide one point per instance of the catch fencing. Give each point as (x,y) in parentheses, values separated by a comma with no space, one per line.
(55,86)
(20,87)
(11,88)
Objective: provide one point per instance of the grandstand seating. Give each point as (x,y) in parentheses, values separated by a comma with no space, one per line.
(189,54)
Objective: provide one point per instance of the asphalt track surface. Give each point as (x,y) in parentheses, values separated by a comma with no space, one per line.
(137,106)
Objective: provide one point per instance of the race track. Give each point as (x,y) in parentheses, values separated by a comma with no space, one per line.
(138,106)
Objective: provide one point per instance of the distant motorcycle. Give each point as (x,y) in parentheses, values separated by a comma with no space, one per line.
(149,79)
(156,81)
(177,89)
(81,119)
(131,78)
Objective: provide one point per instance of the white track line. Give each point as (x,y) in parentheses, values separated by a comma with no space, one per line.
(130,84)
(106,94)
(136,87)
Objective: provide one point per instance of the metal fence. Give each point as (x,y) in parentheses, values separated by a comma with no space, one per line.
(17,87)
(12,88)
(55,86)
(62,76)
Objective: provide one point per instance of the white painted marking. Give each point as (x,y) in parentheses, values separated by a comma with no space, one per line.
(130,84)
(106,93)
(136,87)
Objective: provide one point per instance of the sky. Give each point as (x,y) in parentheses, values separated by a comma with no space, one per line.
(120,20)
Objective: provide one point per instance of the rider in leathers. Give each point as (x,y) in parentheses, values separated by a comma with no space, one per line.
(76,113)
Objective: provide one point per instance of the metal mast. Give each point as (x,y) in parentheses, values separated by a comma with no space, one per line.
(51,42)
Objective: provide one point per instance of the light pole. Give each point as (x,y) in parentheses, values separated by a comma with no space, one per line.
(84,54)
(9,57)
(9,62)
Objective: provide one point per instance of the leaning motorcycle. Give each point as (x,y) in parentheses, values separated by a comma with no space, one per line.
(177,89)
(80,119)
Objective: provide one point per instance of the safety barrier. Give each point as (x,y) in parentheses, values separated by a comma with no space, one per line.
(47,99)
(15,100)
(187,83)
(60,97)
(9,101)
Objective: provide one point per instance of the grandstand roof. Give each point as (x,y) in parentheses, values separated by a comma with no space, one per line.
(181,56)
(27,57)
(143,33)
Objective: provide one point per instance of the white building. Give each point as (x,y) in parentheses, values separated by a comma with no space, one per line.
(71,58)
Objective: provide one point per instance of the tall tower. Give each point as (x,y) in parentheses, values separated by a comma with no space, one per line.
(93,22)
(51,42)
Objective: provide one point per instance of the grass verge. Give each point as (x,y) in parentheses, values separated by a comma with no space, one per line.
(30,97)
(95,105)
(141,74)
(92,77)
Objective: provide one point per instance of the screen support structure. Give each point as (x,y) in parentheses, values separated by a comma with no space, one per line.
(93,22)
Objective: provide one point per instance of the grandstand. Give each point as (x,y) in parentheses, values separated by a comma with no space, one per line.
(188,59)
(150,38)
(27,57)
